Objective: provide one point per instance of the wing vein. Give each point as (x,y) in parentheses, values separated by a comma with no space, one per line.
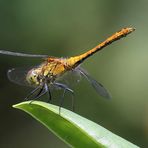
(22,54)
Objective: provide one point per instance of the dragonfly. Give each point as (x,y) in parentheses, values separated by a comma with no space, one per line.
(49,73)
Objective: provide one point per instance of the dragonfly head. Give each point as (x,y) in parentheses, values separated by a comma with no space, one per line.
(33,76)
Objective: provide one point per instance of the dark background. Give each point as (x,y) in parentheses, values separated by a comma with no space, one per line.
(66,28)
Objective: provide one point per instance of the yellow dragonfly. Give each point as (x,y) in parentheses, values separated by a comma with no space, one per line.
(52,69)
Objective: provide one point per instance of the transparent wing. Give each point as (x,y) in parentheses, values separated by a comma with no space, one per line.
(70,78)
(18,76)
(100,89)
(22,54)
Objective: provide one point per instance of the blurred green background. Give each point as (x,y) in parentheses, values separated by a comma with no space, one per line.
(66,28)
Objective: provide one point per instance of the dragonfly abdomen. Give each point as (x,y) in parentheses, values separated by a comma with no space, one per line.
(75,61)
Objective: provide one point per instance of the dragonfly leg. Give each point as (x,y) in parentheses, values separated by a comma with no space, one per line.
(39,94)
(62,100)
(65,88)
(49,92)
(42,92)
(72,103)
(31,93)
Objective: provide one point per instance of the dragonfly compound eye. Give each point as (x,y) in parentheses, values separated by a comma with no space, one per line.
(32,77)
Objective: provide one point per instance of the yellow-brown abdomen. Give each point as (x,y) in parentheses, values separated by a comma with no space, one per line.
(76,60)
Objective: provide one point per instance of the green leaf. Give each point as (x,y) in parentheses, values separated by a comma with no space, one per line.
(73,129)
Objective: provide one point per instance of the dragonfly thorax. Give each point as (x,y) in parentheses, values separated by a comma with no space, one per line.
(36,76)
